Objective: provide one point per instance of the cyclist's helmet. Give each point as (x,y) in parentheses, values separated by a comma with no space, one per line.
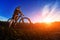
(18,8)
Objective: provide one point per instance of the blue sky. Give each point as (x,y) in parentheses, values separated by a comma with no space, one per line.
(30,8)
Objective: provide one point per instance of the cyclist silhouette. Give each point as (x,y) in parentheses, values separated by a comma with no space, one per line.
(17,13)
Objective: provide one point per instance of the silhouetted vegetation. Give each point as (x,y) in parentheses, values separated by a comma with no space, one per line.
(37,31)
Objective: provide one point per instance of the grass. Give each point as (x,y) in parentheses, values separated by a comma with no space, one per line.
(37,31)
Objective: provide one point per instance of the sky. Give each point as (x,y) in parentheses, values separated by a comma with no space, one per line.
(36,10)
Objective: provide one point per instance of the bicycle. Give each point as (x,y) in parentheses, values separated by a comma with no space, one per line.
(13,22)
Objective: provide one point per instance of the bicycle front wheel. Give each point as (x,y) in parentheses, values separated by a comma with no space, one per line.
(25,21)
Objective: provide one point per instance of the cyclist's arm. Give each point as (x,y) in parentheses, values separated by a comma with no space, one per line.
(21,13)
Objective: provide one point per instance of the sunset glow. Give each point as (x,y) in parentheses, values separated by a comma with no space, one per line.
(49,14)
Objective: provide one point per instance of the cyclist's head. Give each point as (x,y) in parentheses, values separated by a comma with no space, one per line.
(18,8)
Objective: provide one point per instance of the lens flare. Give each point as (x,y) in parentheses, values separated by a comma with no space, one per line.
(50,14)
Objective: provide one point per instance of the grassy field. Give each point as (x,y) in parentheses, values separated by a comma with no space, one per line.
(37,31)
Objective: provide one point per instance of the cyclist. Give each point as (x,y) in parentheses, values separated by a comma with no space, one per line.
(17,13)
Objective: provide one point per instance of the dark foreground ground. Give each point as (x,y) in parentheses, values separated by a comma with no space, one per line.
(37,31)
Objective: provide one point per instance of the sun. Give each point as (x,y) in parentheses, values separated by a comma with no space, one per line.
(47,20)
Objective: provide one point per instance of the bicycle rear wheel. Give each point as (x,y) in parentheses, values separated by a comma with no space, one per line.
(11,22)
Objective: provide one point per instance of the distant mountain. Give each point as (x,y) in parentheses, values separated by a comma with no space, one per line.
(3,18)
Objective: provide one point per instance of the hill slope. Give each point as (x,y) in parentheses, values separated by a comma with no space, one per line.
(37,31)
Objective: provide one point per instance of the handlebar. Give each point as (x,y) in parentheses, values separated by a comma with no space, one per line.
(21,15)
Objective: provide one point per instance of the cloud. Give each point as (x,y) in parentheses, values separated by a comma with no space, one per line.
(3,18)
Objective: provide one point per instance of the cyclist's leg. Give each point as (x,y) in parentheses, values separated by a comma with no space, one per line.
(22,20)
(16,18)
